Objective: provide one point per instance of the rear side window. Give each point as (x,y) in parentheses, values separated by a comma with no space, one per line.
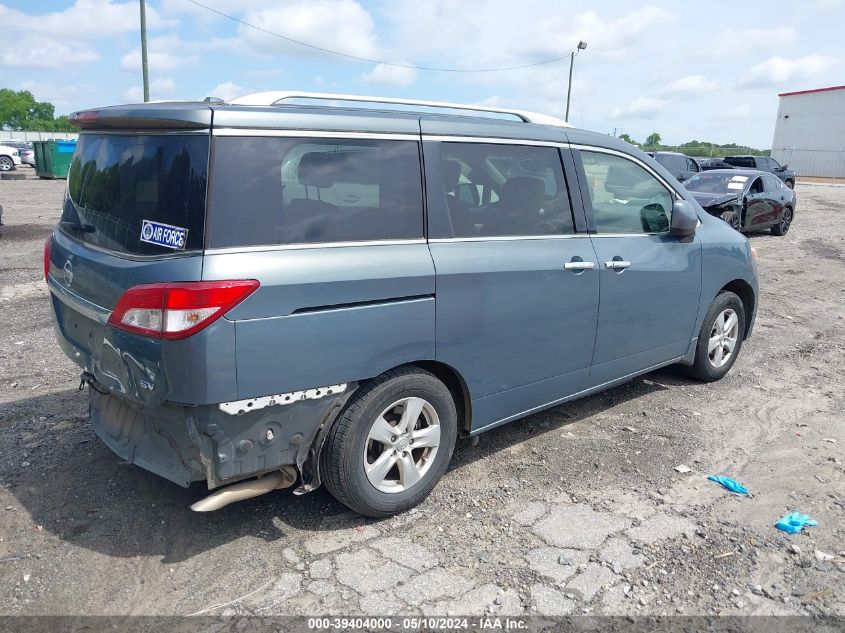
(505,190)
(271,190)
(115,182)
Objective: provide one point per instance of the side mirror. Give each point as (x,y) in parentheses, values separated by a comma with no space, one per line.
(784,167)
(683,176)
(684,219)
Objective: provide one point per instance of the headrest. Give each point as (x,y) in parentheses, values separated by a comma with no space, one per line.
(316,169)
(522,191)
(620,177)
(451,174)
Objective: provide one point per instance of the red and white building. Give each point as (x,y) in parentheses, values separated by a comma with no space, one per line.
(810,132)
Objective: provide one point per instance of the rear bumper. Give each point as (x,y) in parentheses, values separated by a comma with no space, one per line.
(186,444)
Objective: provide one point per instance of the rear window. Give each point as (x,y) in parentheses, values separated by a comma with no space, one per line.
(117,182)
(740,161)
(272,190)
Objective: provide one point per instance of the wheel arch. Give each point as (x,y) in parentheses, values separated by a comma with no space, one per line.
(457,386)
(745,292)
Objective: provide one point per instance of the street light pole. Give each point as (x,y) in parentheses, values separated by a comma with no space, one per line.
(144,69)
(581,47)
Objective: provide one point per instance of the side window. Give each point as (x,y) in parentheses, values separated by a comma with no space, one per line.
(692,165)
(272,190)
(505,190)
(625,197)
(772,183)
(756,186)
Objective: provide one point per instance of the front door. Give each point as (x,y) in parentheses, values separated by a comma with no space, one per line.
(650,281)
(517,287)
(758,205)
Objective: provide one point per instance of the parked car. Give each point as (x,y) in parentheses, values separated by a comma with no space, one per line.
(679,165)
(269,290)
(747,200)
(9,157)
(707,164)
(28,157)
(764,163)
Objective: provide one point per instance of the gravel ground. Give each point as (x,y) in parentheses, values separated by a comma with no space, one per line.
(575,510)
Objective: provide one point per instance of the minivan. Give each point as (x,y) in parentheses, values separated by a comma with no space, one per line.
(273,290)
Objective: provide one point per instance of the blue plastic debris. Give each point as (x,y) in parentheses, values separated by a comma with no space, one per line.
(794,523)
(730,484)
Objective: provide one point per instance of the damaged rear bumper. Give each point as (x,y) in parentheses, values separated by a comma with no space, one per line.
(195,443)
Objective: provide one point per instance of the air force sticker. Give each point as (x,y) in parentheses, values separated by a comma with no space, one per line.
(174,237)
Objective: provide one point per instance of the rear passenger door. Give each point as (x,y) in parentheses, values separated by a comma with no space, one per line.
(650,281)
(517,285)
(332,225)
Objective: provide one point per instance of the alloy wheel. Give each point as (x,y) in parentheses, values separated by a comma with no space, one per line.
(785,220)
(723,338)
(401,445)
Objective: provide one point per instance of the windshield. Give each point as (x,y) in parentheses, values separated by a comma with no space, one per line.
(119,183)
(708,182)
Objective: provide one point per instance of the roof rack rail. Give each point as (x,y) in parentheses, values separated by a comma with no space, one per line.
(273,97)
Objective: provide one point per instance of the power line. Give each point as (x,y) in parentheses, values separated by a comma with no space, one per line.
(376,61)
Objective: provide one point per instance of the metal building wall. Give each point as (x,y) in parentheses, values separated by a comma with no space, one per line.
(810,133)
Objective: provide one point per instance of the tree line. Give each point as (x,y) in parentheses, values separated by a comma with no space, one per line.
(654,143)
(20,111)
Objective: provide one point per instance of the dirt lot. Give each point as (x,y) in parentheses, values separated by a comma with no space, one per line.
(575,510)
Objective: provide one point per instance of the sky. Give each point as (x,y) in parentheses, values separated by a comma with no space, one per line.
(705,71)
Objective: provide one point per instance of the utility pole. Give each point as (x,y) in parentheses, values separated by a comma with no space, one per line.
(144,69)
(581,47)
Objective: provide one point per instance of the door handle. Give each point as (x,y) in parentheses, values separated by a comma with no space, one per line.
(579,265)
(617,264)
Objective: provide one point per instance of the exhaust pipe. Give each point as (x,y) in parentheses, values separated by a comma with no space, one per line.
(283,478)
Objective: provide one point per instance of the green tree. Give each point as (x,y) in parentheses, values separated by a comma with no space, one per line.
(20,111)
(627,138)
(653,139)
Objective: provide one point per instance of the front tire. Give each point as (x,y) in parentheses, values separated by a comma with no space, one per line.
(720,338)
(732,218)
(790,184)
(6,163)
(392,443)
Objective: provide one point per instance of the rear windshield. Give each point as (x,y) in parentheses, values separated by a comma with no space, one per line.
(118,184)
(740,161)
(272,190)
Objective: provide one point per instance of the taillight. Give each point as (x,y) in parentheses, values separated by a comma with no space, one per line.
(47,258)
(180,309)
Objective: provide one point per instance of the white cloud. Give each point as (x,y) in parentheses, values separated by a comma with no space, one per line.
(83,19)
(688,86)
(163,54)
(227,90)
(45,53)
(640,108)
(390,75)
(159,88)
(778,70)
(342,25)
(731,43)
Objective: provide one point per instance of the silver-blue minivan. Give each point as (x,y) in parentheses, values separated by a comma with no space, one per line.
(270,291)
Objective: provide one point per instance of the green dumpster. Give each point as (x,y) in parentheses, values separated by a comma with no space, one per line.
(52,158)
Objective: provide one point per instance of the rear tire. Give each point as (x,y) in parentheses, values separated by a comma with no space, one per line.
(376,460)
(720,338)
(784,222)
(6,163)
(790,184)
